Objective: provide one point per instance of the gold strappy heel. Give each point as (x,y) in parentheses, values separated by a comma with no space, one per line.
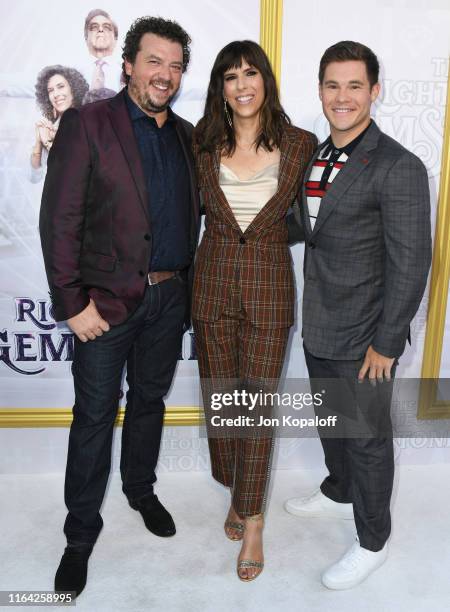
(236,526)
(247,563)
(239,527)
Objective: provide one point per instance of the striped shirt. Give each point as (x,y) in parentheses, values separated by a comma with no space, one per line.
(329,163)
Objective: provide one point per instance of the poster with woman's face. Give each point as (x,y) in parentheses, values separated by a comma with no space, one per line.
(62,59)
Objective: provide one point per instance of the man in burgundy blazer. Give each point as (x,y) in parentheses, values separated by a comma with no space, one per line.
(119,227)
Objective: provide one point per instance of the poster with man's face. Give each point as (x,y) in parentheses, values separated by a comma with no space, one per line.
(75,63)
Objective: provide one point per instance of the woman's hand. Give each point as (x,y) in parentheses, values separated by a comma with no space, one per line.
(41,135)
(45,133)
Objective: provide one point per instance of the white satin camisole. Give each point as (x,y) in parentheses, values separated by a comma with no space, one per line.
(247,197)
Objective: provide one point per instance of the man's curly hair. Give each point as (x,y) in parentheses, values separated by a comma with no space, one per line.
(165,28)
(78,85)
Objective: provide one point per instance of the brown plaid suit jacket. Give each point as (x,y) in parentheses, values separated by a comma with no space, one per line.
(256,263)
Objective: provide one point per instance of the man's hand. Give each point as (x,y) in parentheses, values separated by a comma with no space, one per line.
(377,365)
(88,324)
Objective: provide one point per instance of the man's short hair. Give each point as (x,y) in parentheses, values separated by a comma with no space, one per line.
(95,13)
(165,28)
(348,50)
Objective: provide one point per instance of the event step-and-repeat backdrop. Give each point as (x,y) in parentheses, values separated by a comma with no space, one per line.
(411,40)
(35,353)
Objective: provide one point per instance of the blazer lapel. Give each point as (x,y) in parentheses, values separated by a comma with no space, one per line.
(212,169)
(123,128)
(189,158)
(357,162)
(303,202)
(290,151)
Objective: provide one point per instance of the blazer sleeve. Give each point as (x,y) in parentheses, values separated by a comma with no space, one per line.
(62,215)
(405,212)
(294,225)
(198,172)
(296,231)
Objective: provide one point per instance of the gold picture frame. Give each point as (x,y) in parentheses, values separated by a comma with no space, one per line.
(430,407)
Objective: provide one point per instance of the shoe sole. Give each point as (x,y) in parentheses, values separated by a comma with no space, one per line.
(159,534)
(350,585)
(154,531)
(322,514)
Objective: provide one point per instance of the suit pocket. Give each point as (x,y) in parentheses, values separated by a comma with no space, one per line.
(277,255)
(98,261)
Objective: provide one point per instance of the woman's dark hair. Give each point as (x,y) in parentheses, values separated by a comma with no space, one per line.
(154,25)
(348,50)
(213,130)
(77,83)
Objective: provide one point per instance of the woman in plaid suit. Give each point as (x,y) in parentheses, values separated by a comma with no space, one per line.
(250,161)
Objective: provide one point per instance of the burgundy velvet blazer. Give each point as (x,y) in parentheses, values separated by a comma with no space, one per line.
(94,220)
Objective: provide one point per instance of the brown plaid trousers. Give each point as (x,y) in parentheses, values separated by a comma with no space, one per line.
(243,306)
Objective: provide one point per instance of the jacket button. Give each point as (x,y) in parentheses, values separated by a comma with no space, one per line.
(242,240)
(312,245)
(141,273)
(147,237)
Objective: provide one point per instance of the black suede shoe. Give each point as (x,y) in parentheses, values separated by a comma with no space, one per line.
(71,574)
(156,518)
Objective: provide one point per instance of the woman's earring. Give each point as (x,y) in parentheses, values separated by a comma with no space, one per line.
(227,114)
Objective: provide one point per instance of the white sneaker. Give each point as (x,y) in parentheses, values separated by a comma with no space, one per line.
(318,505)
(354,567)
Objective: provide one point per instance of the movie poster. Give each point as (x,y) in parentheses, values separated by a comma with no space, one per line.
(55,57)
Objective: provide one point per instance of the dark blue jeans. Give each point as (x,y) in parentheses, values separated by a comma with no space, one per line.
(149,343)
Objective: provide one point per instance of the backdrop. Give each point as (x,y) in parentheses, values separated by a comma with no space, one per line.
(411,40)
(36,353)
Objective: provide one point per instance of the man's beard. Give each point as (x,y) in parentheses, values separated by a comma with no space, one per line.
(145,100)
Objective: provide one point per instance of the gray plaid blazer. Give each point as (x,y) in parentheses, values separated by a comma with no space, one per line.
(367,259)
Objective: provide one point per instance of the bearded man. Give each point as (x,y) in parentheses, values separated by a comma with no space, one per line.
(119,227)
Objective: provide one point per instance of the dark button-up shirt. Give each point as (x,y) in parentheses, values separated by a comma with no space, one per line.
(168,188)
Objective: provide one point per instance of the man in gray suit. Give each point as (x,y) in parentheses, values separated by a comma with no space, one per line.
(365,220)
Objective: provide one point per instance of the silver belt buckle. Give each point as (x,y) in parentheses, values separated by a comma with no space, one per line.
(149,279)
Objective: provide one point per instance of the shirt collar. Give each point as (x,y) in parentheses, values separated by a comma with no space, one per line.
(349,148)
(137,113)
(106,60)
